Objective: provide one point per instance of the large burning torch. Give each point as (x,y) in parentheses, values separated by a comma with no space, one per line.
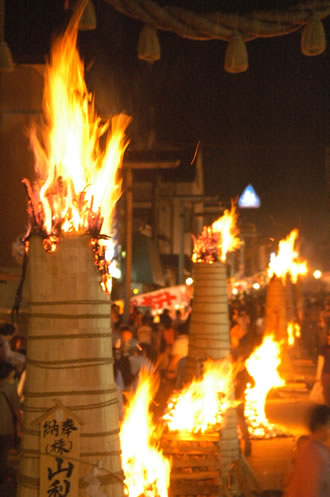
(282,313)
(209,325)
(69,352)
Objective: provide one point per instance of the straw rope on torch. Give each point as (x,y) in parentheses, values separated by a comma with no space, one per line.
(69,358)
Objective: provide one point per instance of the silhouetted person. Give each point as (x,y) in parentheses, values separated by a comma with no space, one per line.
(323,370)
(241,380)
(10,415)
(310,474)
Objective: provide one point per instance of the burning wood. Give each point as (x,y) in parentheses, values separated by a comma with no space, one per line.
(147,471)
(217,240)
(195,464)
(77,181)
(262,365)
(199,407)
(184,448)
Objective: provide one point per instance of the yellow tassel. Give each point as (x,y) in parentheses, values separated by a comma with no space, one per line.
(6,60)
(148,45)
(236,56)
(313,39)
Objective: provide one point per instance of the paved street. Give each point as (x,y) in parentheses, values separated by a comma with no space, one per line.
(270,458)
(287,408)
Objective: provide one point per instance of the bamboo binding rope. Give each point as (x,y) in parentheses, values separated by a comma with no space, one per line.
(69,358)
(209,325)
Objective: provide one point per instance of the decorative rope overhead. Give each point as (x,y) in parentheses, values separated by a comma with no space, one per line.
(231,27)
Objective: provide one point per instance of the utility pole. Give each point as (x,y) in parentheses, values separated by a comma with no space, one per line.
(181,244)
(129,237)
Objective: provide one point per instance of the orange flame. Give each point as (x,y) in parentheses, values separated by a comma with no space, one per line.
(263,367)
(77,182)
(217,240)
(293,330)
(287,260)
(199,407)
(147,471)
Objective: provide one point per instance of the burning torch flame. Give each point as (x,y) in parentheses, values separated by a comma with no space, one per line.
(262,366)
(77,182)
(293,330)
(287,260)
(217,240)
(147,471)
(199,406)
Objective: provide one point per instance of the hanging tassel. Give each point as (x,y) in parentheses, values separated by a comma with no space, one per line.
(313,39)
(236,56)
(87,21)
(148,45)
(6,60)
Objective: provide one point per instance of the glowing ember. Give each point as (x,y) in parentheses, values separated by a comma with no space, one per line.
(77,184)
(262,366)
(293,332)
(287,260)
(147,471)
(199,407)
(217,240)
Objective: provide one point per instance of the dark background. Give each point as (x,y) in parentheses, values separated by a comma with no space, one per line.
(268,126)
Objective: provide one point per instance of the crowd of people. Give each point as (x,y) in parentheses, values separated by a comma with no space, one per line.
(12,367)
(161,342)
(154,343)
(247,323)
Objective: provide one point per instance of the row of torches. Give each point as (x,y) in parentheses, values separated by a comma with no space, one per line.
(200,406)
(76,189)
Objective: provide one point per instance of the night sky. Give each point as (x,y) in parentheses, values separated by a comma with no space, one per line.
(268,126)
